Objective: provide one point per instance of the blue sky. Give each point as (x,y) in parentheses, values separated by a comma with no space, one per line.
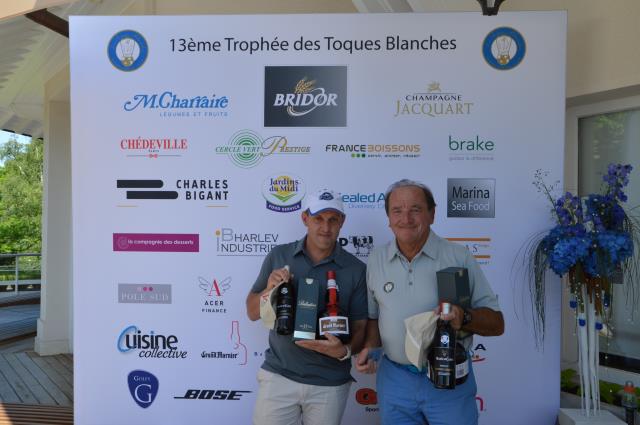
(4,136)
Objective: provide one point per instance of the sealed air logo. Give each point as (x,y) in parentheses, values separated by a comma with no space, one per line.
(143,387)
(305,96)
(504,48)
(127,50)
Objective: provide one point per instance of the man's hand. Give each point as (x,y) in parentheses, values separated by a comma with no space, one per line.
(331,347)
(364,363)
(276,278)
(455,316)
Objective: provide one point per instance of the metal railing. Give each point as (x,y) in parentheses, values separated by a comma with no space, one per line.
(20,273)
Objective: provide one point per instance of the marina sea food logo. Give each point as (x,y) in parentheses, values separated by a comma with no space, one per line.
(283,192)
(305,96)
(504,48)
(127,50)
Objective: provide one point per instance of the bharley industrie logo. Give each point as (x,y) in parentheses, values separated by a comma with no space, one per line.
(247,148)
(212,291)
(480,248)
(434,102)
(473,198)
(504,48)
(235,352)
(156,242)
(305,96)
(144,293)
(283,192)
(191,189)
(149,344)
(154,147)
(234,243)
(173,105)
(127,50)
(143,387)
(391,150)
(359,245)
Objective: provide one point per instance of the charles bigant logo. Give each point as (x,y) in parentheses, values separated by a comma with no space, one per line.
(143,387)
(471,197)
(127,50)
(305,96)
(191,189)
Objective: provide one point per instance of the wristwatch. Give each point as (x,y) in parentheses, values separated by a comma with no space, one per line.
(348,355)
(466,317)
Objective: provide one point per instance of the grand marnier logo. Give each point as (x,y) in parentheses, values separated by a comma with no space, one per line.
(305,96)
(473,198)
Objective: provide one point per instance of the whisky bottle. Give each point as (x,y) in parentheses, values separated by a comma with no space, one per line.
(285,306)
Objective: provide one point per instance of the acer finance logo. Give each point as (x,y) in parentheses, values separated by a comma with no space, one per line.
(305,96)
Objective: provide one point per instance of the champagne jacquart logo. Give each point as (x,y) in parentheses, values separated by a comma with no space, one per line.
(432,103)
(305,96)
(283,193)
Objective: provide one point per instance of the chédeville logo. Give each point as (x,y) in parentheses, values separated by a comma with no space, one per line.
(504,48)
(283,192)
(305,96)
(143,387)
(127,50)
(154,147)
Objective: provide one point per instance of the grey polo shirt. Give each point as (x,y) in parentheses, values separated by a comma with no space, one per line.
(283,356)
(399,288)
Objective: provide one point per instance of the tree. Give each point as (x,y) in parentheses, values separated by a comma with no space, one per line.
(21,180)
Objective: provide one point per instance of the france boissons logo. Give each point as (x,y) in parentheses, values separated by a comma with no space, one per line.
(283,193)
(473,198)
(143,387)
(305,96)
(127,50)
(504,48)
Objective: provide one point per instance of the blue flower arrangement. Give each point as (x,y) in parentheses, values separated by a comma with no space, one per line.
(592,242)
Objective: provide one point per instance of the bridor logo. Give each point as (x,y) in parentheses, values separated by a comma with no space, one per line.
(143,387)
(305,96)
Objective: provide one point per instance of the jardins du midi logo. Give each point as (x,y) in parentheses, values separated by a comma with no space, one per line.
(246,148)
(432,102)
(283,192)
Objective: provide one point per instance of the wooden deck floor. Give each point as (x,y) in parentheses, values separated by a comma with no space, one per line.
(34,389)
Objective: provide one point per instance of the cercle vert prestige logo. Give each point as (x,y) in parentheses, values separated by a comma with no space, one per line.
(127,50)
(504,48)
(246,148)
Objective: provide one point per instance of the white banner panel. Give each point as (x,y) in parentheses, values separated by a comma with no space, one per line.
(195,138)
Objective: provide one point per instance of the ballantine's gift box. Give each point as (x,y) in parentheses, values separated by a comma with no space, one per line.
(307,309)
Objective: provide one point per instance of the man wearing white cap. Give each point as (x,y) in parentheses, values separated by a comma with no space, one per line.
(401,278)
(310,380)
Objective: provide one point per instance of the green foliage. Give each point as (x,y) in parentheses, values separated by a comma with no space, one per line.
(609,392)
(568,381)
(21,180)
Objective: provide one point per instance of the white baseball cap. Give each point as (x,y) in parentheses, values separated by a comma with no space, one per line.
(324,200)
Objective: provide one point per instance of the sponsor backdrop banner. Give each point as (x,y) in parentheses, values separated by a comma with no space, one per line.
(197,138)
